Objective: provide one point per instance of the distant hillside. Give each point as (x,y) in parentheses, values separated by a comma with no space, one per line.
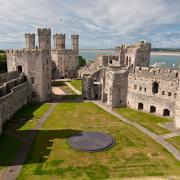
(166,49)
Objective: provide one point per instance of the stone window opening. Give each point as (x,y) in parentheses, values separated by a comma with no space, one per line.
(155,87)
(152,109)
(135,86)
(110,61)
(19,69)
(166,112)
(32,80)
(140,88)
(169,93)
(144,89)
(140,106)
(175,95)
(176,74)
(163,92)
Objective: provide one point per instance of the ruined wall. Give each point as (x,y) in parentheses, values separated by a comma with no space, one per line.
(119,89)
(12,102)
(141,94)
(66,62)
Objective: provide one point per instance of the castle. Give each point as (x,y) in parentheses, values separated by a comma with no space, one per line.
(127,80)
(30,71)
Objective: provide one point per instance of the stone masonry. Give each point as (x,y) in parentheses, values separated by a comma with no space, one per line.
(128,80)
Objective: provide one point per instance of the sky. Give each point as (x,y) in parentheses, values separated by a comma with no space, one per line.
(99,23)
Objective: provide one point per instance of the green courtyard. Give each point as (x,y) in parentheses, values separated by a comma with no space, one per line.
(134,154)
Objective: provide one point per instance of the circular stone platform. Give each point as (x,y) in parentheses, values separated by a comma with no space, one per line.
(91,141)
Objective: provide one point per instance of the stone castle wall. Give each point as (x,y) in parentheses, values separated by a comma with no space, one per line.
(141,91)
(5,77)
(12,102)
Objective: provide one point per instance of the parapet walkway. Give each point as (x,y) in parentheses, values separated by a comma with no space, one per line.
(12,171)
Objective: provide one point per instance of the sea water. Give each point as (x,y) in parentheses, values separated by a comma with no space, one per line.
(156,60)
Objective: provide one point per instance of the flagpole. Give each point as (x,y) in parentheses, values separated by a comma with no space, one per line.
(61,29)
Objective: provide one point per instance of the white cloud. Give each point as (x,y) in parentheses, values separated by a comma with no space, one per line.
(99,23)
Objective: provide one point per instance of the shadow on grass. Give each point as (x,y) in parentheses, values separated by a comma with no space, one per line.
(11,138)
(42,144)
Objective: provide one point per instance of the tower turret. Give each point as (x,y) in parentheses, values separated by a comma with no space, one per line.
(75,42)
(44,36)
(30,41)
(59,41)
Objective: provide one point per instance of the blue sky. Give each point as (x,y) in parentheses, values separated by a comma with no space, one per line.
(100,24)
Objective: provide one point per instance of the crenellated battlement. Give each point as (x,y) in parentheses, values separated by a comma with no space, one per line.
(32,35)
(59,35)
(137,46)
(75,36)
(155,72)
(44,31)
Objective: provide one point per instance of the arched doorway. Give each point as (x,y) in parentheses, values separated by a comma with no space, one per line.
(140,106)
(19,69)
(166,112)
(152,109)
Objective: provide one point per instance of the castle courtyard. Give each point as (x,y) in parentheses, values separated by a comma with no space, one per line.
(134,153)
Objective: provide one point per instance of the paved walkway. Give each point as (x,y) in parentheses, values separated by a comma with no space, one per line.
(169,135)
(74,89)
(12,171)
(157,138)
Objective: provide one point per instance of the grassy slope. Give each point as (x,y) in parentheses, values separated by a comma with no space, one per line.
(77,84)
(175,141)
(10,139)
(147,120)
(134,154)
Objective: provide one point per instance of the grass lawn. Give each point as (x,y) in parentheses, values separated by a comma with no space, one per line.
(175,141)
(77,84)
(133,155)
(64,87)
(10,140)
(147,120)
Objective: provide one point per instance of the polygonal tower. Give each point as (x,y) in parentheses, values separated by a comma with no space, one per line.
(75,42)
(59,41)
(30,41)
(44,36)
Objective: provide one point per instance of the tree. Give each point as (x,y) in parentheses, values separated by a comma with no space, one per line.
(82,62)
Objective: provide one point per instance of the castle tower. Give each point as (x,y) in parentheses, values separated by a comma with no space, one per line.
(75,42)
(59,41)
(44,36)
(30,41)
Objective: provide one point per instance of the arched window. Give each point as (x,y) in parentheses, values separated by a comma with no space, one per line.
(155,87)
(140,106)
(152,109)
(166,112)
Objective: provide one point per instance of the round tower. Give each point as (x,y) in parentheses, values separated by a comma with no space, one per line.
(75,42)
(59,41)
(44,36)
(30,41)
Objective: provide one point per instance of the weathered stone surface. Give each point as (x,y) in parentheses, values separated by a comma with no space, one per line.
(132,83)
